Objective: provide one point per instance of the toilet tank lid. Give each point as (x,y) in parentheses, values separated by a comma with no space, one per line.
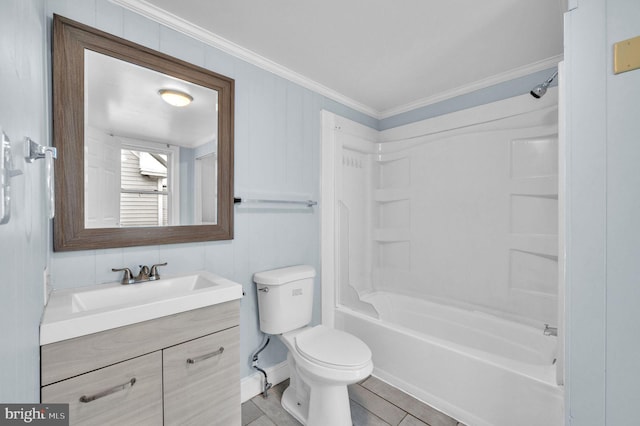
(284,275)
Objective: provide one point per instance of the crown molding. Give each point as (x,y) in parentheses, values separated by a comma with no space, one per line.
(477,85)
(183,26)
(176,23)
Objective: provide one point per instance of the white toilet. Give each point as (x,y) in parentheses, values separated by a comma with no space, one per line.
(322,361)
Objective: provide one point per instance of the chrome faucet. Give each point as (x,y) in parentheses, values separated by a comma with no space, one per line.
(550,331)
(145,274)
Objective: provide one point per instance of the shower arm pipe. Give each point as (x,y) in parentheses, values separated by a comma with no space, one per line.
(550,79)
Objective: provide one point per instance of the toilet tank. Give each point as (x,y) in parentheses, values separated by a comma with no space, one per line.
(285,298)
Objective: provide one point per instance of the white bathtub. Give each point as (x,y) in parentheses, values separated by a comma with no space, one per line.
(479,369)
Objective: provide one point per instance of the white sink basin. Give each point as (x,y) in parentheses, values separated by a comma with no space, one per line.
(114,296)
(80,311)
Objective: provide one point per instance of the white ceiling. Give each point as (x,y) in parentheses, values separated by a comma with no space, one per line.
(379,56)
(123,100)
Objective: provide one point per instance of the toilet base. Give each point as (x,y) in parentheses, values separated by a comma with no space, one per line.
(299,410)
(328,405)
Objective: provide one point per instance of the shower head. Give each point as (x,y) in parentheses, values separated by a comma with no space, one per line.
(539,91)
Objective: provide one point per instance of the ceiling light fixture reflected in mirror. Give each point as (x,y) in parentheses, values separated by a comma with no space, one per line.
(175,97)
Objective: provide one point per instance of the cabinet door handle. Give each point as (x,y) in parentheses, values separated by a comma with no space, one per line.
(207,356)
(109,391)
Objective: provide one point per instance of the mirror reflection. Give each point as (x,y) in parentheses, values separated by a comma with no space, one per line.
(150,147)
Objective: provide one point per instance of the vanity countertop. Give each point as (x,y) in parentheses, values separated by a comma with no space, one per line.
(80,311)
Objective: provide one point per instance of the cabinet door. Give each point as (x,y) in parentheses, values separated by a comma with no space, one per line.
(202,381)
(127,393)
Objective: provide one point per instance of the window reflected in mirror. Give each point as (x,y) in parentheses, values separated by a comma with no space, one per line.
(144,189)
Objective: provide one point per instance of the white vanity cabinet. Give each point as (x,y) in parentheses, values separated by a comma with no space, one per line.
(181,369)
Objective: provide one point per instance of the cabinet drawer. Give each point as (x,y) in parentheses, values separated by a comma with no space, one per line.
(202,381)
(117,401)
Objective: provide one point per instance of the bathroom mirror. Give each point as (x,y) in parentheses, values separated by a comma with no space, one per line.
(133,169)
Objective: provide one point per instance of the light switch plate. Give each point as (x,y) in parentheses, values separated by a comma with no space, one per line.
(626,55)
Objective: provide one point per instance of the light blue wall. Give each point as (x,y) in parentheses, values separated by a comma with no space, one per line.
(623,224)
(603,207)
(24,240)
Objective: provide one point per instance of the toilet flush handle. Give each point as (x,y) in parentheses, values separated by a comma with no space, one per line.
(264,289)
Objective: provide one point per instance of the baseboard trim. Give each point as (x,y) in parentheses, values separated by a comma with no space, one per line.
(252,385)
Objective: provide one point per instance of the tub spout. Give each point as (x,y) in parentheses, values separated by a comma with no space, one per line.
(550,331)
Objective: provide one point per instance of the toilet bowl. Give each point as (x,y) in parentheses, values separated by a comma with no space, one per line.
(322,361)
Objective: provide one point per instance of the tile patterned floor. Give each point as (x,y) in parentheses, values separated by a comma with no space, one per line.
(373,403)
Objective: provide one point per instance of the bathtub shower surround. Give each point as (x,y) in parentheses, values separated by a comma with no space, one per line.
(446,256)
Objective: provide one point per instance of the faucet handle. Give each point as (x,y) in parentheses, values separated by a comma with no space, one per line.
(154,274)
(127,277)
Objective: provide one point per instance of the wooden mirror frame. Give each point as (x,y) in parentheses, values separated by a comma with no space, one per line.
(70,39)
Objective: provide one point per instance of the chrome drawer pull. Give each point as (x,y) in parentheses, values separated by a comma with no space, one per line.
(207,356)
(114,389)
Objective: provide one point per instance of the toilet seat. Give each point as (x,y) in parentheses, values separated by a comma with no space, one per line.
(332,348)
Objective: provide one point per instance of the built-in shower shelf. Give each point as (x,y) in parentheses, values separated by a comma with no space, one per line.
(391,156)
(539,244)
(389,195)
(542,186)
(390,235)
